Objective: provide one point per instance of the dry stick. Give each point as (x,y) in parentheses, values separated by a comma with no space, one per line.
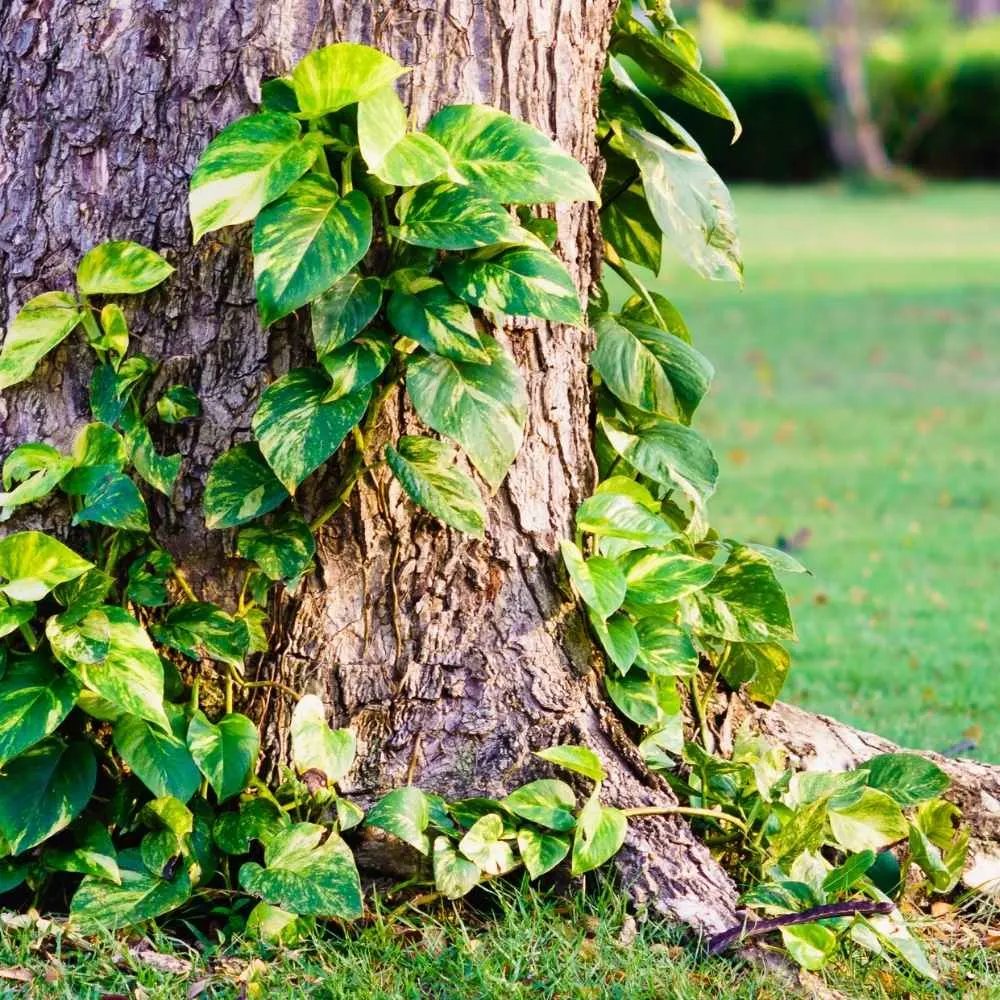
(756,928)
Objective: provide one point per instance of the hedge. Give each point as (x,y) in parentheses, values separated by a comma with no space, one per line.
(937,100)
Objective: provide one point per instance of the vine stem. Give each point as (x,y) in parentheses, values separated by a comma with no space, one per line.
(234,677)
(182,582)
(686,811)
(356,466)
(621,269)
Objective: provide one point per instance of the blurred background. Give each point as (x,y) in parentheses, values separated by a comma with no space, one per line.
(856,410)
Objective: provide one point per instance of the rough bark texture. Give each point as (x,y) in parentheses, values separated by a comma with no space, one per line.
(452,659)
(824,744)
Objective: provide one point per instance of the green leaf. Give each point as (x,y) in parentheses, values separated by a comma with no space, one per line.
(547,802)
(810,945)
(769,663)
(689,372)
(283,549)
(224,751)
(393,155)
(160,471)
(161,760)
(121,268)
(317,747)
(240,488)
(745,602)
(79,635)
(249,164)
(405,813)
(599,581)
(114,336)
(612,515)
(656,311)
(482,845)
(12,617)
(98,452)
(892,931)
(483,407)
(905,777)
(38,468)
(198,629)
(177,404)
(44,790)
(873,822)
(115,502)
(131,675)
(656,577)
(32,564)
(600,833)
(257,819)
(356,364)
(665,648)
(84,861)
(846,876)
(101,905)
(630,370)
(42,324)
(670,454)
(297,429)
(337,75)
(275,926)
(690,204)
(507,159)
(447,216)
(524,281)
(802,831)
(306,874)
(34,700)
(577,759)
(436,320)
(425,469)
(637,697)
(669,65)
(304,242)
(343,311)
(540,851)
(618,637)
(627,224)
(454,876)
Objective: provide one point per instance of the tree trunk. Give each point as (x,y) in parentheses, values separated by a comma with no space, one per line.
(855,137)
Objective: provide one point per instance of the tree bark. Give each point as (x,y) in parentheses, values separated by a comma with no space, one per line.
(855,137)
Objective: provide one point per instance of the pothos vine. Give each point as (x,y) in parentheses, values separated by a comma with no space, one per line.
(407,248)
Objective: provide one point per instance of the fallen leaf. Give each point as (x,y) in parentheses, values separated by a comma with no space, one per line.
(629,931)
(939,908)
(18,973)
(162,963)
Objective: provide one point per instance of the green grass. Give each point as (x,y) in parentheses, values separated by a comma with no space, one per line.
(527,947)
(857,398)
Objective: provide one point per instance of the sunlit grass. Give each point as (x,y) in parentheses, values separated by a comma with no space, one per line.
(858,399)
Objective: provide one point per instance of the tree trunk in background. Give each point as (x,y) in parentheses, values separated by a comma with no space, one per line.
(855,137)
(978,10)
(453,660)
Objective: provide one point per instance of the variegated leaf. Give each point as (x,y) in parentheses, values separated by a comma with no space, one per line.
(304,242)
(425,469)
(245,167)
(356,364)
(429,314)
(525,281)
(337,75)
(447,216)
(43,323)
(241,487)
(508,159)
(482,407)
(121,268)
(393,154)
(343,311)
(297,429)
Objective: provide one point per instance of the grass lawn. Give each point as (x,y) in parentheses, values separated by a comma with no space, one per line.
(858,399)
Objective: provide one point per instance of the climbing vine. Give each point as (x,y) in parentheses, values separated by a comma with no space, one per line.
(408,248)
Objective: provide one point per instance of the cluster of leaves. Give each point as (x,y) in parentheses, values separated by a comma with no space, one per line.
(400,243)
(664,593)
(810,838)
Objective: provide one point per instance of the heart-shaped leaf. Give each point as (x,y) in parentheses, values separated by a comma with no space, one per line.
(304,242)
(121,268)
(483,407)
(306,874)
(337,75)
(34,700)
(425,469)
(241,487)
(225,751)
(343,311)
(547,802)
(454,876)
(161,760)
(356,364)
(283,549)
(600,833)
(298,429)
(405,813)
(436,320)
(42,324)
(448,216)
(317,747)
(32,563)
